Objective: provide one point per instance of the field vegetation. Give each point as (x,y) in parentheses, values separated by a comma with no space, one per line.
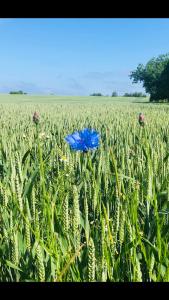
(69,216)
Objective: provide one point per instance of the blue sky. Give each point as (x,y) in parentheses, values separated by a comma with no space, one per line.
(77,56)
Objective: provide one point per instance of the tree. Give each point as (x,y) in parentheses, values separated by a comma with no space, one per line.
(114,94)
(135,94)
(96,94)
(163,84)
(154,76)
(17,93)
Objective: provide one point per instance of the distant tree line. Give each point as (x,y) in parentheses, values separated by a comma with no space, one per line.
(136,94)
(96,94)
(115,94)
(155,77)
(17,93)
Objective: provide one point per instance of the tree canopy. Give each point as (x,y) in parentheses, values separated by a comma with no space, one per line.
(17,93)
(135,94)
(155,77)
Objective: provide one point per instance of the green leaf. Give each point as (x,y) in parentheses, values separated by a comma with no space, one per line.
(11,265)
(155,250)
(29,185)
(25,156)
(166,157)
(162,270)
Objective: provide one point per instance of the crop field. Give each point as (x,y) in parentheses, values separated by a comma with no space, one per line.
(69,216)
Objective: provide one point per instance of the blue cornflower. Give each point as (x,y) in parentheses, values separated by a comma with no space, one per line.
(83,140)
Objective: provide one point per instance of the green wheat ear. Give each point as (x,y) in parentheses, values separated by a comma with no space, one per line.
(117,215)
(11,222)
(18,193)
(6,236)
(138,276)
(65,214)
(18,167)
(40,264)
(4,197)
(37,225)
(76,217)
(91,261)
(121,230)
(14,249)
(33,206)
(76,211)
(27,235)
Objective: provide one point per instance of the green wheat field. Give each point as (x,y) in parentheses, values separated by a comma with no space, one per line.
(68,216)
